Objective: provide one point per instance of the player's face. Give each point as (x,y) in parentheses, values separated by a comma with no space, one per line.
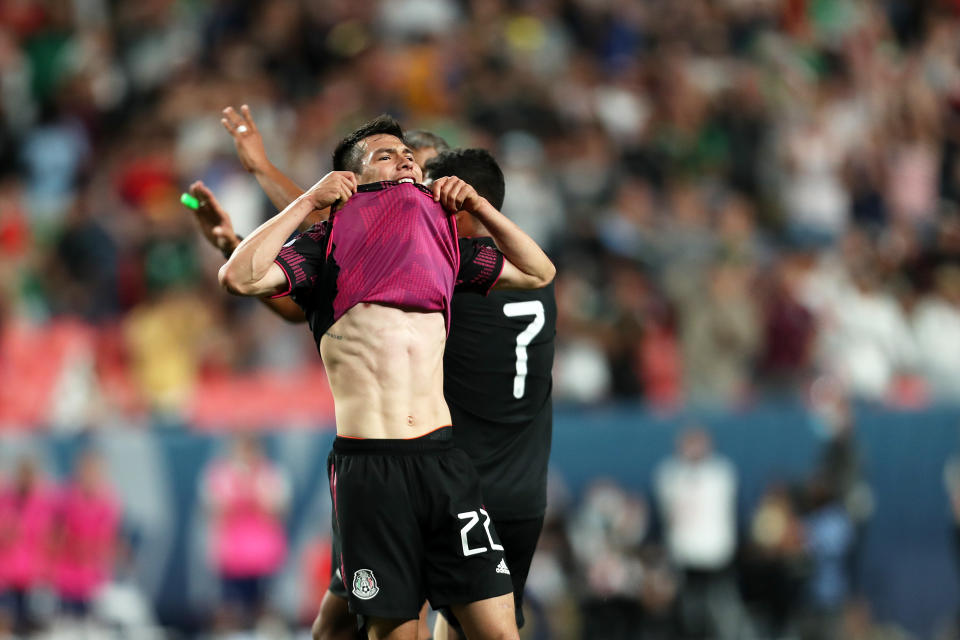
(385,157)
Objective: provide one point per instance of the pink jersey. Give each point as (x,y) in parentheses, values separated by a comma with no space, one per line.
(248,533)
(26,523)
(390,244)
(394,245)
(87,541)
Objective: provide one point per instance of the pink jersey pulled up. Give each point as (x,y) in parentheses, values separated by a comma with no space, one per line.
(394,246)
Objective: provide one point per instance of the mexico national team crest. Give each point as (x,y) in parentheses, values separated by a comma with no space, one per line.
(364,584)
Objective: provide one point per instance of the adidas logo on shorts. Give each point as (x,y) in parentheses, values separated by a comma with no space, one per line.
(502,567)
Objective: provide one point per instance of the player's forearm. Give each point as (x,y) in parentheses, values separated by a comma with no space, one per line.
(515,245)
(279,188)
(286,308)
(253,257)
(282,191)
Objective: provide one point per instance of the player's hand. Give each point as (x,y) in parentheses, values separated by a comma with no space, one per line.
(246,138)
(215,223)
(455,195)
(335,187)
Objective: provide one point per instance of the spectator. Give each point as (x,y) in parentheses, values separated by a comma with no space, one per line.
(696,492)
(829,540)
(606,538)
(247,498)
(719,335)
(86,536)
(27,511)
(936,328)
(775,562)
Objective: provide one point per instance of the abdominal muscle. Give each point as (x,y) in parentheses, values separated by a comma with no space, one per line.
(385,367)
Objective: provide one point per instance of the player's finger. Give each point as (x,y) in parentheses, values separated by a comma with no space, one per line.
(248,117)
(452,193)
(461,196)
(437,186)
(230,114)
(227,125)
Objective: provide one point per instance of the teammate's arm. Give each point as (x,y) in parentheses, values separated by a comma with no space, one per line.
(217,227)
(280,189)
(251,270)
(526,266)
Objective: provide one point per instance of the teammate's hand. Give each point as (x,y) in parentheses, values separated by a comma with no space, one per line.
(455,195)
(215,223)
(335,187)
(246,138)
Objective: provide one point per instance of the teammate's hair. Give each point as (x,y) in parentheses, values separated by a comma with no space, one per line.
(420,139)
(476,167)
(347,156)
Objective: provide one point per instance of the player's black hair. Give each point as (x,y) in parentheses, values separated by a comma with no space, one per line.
(476,167)
(347,155)
(420,139)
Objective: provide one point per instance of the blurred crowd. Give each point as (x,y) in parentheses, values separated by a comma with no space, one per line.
(686,560)
(742,196)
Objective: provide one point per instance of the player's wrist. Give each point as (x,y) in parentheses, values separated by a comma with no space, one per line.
(262,168)
(228,250)
(480,207)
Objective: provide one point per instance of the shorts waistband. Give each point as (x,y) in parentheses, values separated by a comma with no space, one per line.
(437,440)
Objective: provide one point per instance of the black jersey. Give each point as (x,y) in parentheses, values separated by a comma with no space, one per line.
(498,381)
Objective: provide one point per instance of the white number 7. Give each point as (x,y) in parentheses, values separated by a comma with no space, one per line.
(529,308)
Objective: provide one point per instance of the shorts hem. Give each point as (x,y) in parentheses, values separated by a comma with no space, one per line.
(387,615)
(492,592)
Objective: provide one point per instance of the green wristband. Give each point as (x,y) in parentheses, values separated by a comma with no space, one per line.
(189,201)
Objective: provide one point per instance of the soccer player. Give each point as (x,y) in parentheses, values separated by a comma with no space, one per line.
(498,381)
(501,345)
(375,282)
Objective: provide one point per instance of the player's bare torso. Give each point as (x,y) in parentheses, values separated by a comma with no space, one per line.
(385,367)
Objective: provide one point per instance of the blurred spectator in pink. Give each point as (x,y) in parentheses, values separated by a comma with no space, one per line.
(696,489)
(247,496)
(27,509)
(86,536)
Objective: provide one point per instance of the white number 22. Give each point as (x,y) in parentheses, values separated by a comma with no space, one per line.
(528,308)
(473,519)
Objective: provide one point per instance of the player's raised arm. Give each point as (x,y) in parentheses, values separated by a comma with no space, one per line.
(251,270)
(253,156)
(217,227)
(526,266)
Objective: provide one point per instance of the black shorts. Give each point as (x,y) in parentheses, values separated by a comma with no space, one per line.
(412,526)
(519,538)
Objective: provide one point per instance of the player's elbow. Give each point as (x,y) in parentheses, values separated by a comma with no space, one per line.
(232,282)
(543,276)
(550,272)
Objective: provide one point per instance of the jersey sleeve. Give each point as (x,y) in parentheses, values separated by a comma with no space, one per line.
(480,266)
(303,259)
